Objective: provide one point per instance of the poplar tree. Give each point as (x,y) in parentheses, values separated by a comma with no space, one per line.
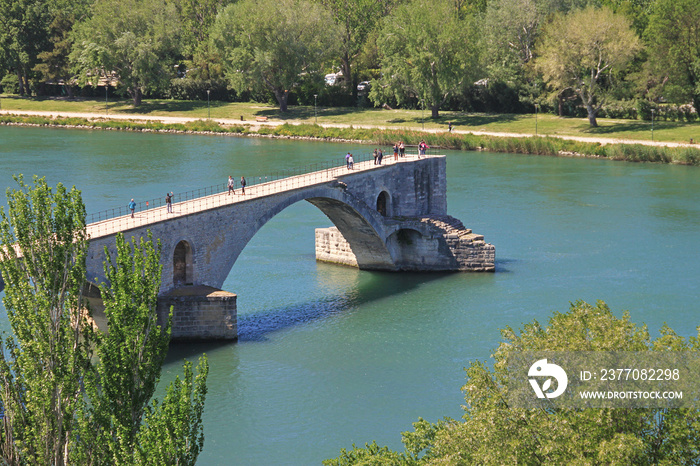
(71,393)
(43,246)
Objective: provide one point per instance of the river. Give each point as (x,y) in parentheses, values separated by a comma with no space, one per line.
(329,356)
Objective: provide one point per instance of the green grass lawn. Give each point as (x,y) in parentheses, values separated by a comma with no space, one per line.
(399,118)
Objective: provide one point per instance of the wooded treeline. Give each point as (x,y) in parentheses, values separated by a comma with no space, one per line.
(617,58)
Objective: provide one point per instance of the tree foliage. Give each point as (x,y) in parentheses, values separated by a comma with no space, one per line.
(70,393)
(427,51)
(356,19)
(268,44)
(492,432)
(178,48)
(674,45)
(135,41)
(511,29)
(41,366)
(583,51)
(23,35)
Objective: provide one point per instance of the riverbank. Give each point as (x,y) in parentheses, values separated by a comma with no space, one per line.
(553,145)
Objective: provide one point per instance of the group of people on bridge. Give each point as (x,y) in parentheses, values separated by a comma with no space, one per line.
(232,183)
(169,196)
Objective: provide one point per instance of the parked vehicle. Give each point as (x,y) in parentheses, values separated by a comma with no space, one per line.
(334,78)
(364,86)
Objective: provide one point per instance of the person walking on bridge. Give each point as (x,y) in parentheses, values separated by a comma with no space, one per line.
(230,185)
(169,202)
(243,185)
(132,207)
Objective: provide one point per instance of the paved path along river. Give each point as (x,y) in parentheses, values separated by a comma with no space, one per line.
(257,124)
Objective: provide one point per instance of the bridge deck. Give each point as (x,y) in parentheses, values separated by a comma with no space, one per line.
(200,204)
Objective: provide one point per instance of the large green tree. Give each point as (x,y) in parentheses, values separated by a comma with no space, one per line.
(673,36)
(269,44)
(356,20)
(197,19)
(511,28)
(72,394)
(492,432)
(136,42)
(53,63)
(23,35)
(585,51)
(428,52)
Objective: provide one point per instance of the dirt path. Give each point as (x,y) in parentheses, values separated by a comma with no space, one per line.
(254,125)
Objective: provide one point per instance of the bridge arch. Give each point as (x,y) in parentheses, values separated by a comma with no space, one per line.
(361,225)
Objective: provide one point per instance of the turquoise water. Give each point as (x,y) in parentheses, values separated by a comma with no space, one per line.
(329,356)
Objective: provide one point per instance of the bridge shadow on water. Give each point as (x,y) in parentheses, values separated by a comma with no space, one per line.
(258,326)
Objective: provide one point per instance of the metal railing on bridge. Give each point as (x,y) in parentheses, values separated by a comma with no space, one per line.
(110,221)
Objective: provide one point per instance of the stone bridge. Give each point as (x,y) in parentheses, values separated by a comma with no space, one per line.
(386,217)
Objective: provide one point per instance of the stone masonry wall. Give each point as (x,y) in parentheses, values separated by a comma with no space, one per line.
(469,249)
(200,313)
(332,247)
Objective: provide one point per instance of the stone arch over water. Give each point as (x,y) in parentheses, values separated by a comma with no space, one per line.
(361,225)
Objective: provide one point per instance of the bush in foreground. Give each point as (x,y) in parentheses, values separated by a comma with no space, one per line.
(492,432)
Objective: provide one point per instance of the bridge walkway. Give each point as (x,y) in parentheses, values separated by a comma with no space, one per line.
(258,187)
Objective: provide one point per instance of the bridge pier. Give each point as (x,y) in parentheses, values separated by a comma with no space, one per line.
(200,313)
(425,244)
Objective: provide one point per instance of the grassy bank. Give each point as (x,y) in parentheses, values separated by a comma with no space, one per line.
(399,119)
(524,145)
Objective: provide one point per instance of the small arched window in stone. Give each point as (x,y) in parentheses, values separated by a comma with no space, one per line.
(383,203)
(182,264)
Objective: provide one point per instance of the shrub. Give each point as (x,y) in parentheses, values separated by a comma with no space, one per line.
(10,84)
(644,109)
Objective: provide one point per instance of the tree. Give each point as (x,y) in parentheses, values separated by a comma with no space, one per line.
(197,19)
(356,20)
(70,393)
(136,42)
(637,11)
(492,432)
(511,28)
(54,65)
(269,44)
(23,35)
(583,51)
(673,36)
(42,365)
(428,52)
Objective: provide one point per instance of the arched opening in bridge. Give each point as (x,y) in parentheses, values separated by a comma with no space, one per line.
(383,203)
(182,264)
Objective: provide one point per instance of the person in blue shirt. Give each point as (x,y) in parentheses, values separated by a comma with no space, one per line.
(132,206)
